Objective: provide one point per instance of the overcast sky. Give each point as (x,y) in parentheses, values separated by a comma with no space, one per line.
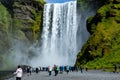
(57,1)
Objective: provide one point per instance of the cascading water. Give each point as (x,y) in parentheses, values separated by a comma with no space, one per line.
(61,40)
(59,34)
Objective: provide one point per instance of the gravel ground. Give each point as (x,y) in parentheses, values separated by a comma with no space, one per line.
(89,75)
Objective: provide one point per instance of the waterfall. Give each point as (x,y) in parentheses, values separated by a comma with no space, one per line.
(59,34)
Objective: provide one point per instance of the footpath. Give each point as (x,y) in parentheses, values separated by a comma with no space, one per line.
(89,75)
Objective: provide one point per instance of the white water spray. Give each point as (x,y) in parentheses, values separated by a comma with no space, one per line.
(59,34)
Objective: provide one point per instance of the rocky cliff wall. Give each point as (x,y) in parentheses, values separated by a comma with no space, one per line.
(20,21)
(102,48)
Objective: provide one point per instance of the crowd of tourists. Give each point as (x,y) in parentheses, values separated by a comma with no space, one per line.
(50,69)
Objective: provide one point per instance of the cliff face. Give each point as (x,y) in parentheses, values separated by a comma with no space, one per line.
(4,31)
(102,48)
(20,20)
(27,19)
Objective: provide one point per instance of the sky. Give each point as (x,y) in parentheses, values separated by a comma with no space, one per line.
(57,1)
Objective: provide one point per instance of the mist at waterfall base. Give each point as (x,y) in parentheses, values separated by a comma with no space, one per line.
(64,33)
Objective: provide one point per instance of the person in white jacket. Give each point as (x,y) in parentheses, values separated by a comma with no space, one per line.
(19,73)
(50,70)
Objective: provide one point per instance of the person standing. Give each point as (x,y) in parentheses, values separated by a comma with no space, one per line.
(81,69)
(37,70)
(19,73)
(50,70)
(67,69)
(28,71)
(55,69)
(86,69)
(115,68)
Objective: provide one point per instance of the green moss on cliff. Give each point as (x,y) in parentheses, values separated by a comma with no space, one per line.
(28,18)
(20,20)
(5,29)
(102,48)
(4,18)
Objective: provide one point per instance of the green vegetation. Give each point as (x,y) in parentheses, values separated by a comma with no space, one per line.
(87,4)
(28,19)
(4,18)
(102,48)
(41,1)
(4,33)
(20,20)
